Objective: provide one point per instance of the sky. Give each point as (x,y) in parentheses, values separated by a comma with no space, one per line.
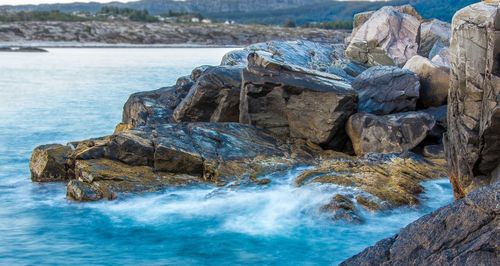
(22,2)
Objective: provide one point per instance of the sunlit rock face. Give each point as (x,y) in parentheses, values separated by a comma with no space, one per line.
(473,139)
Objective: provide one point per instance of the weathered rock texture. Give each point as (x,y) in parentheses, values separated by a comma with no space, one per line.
(294,102)
(473,139)
(388,37)
(434,81)
(48,163)
(466,232)
(431,32)
(394,133)
(385,90)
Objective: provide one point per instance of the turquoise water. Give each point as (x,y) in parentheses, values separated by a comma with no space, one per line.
(73,94)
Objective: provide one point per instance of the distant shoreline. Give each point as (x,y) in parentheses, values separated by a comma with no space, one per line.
(109,45)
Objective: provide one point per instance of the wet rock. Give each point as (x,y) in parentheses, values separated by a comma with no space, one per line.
(473,141)
(465,232)
(434,81)
(48,163)
(388,37)
(293,102)
(434,151)
(394,133)
(391,180)
(106,179)
(154,107)
(431,32)
(385,90)
(342,208)
(215,97)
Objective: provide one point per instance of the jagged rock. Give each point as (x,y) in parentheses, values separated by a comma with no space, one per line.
(434,81)
(465,232)
(48,163)
(385,90)
(105,179)
(215,97)
(473,139)
(394,133)
(154,107)
(440,55)
(391,180)
(388,37)
(431,32)
(293,102)
(324,57)
(434,151)
(342,208)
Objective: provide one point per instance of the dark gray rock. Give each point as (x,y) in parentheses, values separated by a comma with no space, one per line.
(294,102)
(394,133)
(385,90)
(434,151)
(155,107)
(215,97)
(466,232)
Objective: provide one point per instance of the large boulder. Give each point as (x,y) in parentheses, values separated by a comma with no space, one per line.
(431,32)
(434,81)
(294,102)
(465,232)
(473,139)
(324,57)
(154,107)
(440,55)
(388,37)
(385,90)
(394,133)
(48,163)
(215,97)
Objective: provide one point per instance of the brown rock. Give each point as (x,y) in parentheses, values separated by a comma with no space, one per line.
(48,163)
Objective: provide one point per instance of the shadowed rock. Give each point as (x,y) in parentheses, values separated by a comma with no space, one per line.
(48,163)
(431,32)
(465,232)
(394,133)
(434,81)
(215,97)
(293,102)
(385,90)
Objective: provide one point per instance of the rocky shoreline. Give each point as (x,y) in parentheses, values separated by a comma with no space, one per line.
(370,114)
(127,32)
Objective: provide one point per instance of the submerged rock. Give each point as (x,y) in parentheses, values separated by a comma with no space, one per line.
(394,180)
(473,139)
(296,103)
(434,81)
(385,90)
(465,232)
(394,133)
(48,163)
(215,97)
(388,37)
(342,208)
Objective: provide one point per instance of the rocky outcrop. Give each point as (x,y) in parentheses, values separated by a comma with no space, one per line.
(431,32)
(127,32)
(434,81)
(324,57)
(473,139)
(48,163)
(466,232)
(155,107)
(294,102)
(215,97)
(440,55)
(394,133)
(385,90)
(388,37)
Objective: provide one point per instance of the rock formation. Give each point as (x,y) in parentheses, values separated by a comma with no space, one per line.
(431,32)
(473,139)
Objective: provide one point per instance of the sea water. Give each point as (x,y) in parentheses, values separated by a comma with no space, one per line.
(74,94)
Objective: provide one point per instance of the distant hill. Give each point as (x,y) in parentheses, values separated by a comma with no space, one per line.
(265,11)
